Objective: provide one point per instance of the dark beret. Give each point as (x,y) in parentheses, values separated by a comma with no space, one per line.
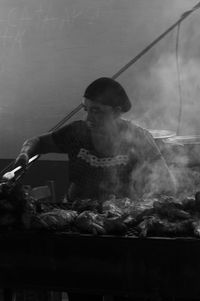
(109,92)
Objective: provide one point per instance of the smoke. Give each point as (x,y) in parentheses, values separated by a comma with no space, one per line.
(152,82)
(161,84)
(157,101)
(178,178)
(153,85)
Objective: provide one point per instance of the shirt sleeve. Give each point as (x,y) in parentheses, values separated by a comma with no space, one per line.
(151,151)
(153,174)
(161,176)
(66,137)
(146,147)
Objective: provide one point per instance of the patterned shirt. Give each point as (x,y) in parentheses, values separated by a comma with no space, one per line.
(93,175)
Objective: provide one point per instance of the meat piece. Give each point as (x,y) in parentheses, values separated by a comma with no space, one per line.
(140,216)
(86,205)
(115,226)
(170,211)
(154,226)
(90,222)
(54,220)
(143,208)
(130,221)
(146,226)
(122,205)
(110,209)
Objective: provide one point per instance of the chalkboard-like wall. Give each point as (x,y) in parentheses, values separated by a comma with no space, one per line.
(50,50)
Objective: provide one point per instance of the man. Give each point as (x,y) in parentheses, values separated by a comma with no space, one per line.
(107,154)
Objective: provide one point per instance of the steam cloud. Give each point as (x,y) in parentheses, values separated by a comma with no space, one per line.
(153,81)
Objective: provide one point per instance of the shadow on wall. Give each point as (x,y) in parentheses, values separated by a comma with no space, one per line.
(45,170)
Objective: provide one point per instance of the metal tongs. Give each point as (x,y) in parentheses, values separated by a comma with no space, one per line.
(11,178)
(11,175)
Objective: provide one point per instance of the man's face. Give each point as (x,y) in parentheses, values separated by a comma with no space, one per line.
(99,117)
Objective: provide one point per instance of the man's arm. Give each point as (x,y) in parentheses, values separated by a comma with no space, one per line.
(39,145)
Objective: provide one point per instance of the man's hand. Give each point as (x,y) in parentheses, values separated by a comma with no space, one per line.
(22,160)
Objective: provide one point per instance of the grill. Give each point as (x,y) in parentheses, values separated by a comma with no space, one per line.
(117,265)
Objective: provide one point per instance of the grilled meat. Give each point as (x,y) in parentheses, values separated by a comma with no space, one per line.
(170,211)
(110,209)
(161,216)
(55,219)
(115,226)
(86,205)
(90,222)
(154,226)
